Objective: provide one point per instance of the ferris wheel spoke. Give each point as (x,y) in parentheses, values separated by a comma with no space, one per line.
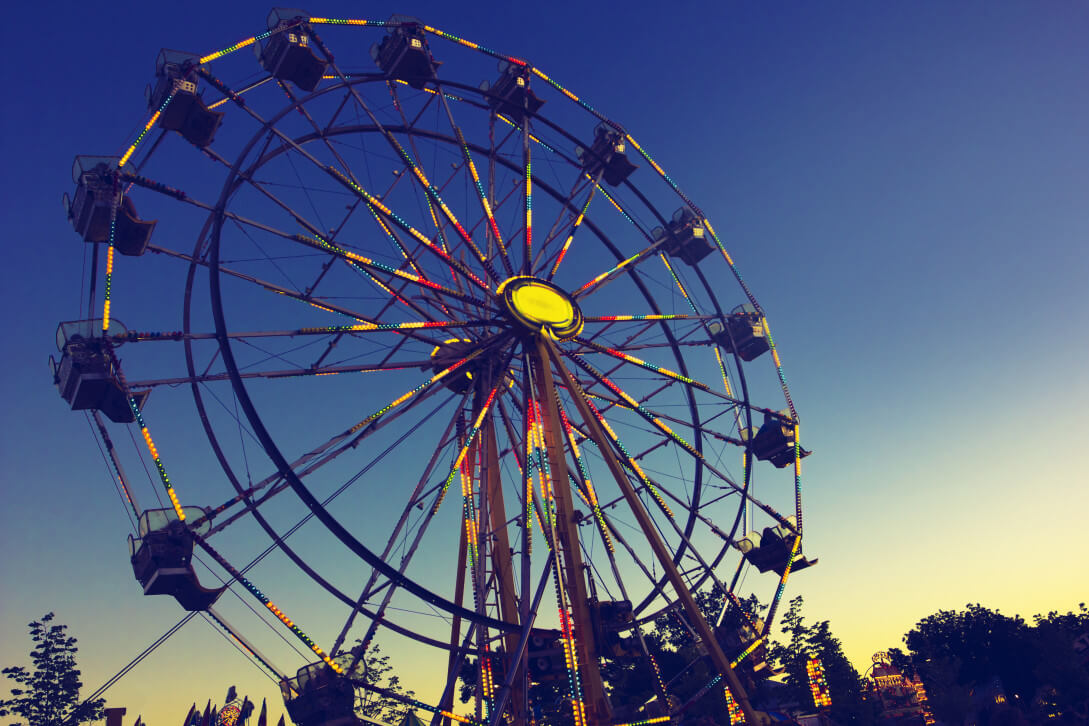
(690,382)
(411,165)
(324,454)
(575,226)
(636,406)
(638,472)
(637,318)
(321,132)
(182,196)
(410,503)
(626,265)
(285,373)
(319,241)
(328,306)
(646,524)
(440,224)
(134,336)
(599,425)
(489,215)
(346,182)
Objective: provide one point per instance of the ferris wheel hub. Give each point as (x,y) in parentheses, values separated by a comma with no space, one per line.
(541,306)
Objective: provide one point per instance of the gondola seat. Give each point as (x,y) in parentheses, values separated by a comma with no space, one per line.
(161,558)
(176,79)
(403,54)
(775,441)
(684,237)
(319,696)
(511,95)
(770,549)
(606,156)
(288,54)
(85,375)
(743,333)
(90,209)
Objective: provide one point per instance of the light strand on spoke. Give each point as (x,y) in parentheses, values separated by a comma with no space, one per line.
(147,127)
(238,46)
(480,191)
(677,280)
(529,202)
(264,600)
(433,195)
(733,708)
(469,438)
(532,138)
(747,652)
(109,276)
(365,327)
(571,235)
(647,722)
(468,509)
(115,364)
(389,233)
(614,202)
(794,550)
(591,495)
(405,396)
(643,364)
(634,465)
(347,21)
(320,243)
(608,274)
(636,406)
(417,234)
(624,318)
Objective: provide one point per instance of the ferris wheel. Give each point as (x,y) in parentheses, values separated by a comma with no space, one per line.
(460,354)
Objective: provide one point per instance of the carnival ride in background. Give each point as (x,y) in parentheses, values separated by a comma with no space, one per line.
(458,324)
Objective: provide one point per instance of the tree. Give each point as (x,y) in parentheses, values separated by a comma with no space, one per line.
(955,651)
(376,705)
(1064,683)
(1042,675)
(49,694)
(816,641)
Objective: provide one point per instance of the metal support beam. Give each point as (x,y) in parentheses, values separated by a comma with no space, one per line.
(661,551)
(501,561)
(567,537)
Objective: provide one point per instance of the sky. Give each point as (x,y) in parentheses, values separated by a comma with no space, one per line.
(902,185)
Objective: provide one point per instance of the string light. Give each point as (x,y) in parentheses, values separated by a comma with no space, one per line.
(590,493)
(405,396)
(659,719)
(818,684)
(733,708)
(607,273)
(677,280)
(345,21)
(632,463)
(622,318)
(147,127)
(469,438)
(571,234)
(418,235)
(747,652)
(280,615)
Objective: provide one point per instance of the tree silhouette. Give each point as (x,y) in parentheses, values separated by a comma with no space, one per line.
(49,693)
(809,641)
(956,652)
(378,673)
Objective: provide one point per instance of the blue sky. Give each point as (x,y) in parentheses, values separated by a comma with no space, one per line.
(902,185)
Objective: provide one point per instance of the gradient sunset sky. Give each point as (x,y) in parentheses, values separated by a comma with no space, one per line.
(904,186)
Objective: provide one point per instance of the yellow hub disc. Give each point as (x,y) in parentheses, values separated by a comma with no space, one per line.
(541,306)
